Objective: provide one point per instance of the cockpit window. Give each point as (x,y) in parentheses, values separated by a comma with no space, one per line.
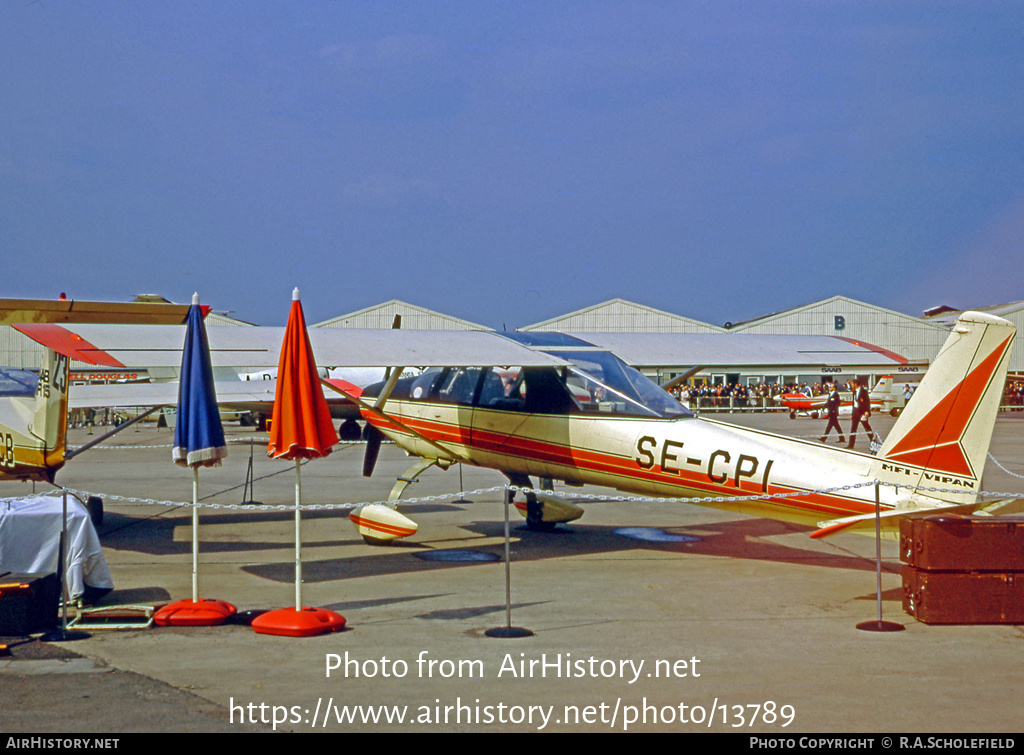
(426,384)
(458,386)
(596,381)
(613,386)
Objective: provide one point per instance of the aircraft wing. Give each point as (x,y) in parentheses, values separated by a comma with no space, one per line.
(236,346)
(134,346)
(740,349)
(68,310)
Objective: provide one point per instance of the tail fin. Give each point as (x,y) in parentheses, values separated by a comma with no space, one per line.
(941,439)
(50,416)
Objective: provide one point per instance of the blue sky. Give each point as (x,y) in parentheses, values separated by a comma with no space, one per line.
(510,162)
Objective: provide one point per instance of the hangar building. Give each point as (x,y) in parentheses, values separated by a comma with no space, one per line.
(621,316)
(413,318)
(716,358)
(1014,312)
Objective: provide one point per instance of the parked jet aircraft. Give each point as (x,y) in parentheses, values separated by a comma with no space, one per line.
(253,399)
(555,407)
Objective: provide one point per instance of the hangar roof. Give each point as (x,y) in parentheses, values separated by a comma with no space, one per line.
(839,304)
(413,318)
(946,315)
(619,315)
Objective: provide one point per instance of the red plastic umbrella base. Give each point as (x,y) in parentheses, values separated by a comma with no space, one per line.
(290,622)
(206,612)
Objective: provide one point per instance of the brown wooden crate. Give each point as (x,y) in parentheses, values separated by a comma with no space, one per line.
(963,543)
(963,597)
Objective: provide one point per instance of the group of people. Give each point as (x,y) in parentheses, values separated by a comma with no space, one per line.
(719,395)
(1013,395)
(860,414)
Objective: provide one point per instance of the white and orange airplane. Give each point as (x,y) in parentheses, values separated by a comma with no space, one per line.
(633,437)
(555,407)
(883,399)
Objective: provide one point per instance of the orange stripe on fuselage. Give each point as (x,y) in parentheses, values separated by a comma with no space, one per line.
(625,468)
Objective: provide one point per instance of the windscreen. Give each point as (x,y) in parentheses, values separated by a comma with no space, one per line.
(614,386)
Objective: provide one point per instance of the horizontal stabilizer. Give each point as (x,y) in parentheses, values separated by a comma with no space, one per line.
(890,520)
(65,342)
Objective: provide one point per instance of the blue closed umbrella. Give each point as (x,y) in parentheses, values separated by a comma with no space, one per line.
(198,442)
(198,433)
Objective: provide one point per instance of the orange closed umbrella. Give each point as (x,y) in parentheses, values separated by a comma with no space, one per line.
(301,429)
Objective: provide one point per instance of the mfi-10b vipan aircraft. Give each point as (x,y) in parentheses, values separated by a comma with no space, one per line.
(594,420)
(555,407)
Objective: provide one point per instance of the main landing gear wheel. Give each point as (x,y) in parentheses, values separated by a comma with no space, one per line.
(534,509)
(349,430)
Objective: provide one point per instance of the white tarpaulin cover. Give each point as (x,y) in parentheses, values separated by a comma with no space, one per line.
(30,539)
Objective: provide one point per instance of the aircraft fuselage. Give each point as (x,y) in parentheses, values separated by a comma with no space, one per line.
(685,457)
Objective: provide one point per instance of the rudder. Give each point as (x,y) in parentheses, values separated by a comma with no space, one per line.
(941,438)
(50,417)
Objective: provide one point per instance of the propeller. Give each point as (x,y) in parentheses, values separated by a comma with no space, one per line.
(373,436)
(373,441)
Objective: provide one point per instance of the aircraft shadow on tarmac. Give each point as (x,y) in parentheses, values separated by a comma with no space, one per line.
(744,538)
(156,535)
(741,538)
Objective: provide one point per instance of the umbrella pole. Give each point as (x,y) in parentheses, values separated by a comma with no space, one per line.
(195,534)
(65,593)
(64,634)
(298,535)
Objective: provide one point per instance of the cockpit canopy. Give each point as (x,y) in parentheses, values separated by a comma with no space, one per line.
(594,381)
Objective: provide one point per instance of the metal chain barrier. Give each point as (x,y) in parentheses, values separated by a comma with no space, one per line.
(996,461)
(128,447)
(516,489)
(280,507)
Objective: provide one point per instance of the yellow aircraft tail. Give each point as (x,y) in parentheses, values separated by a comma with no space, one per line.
(50,418)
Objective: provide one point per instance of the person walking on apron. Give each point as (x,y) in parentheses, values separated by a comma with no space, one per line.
(832,410)
(861,412)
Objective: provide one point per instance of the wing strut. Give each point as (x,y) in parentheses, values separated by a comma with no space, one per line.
(72,453)
(376,410)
